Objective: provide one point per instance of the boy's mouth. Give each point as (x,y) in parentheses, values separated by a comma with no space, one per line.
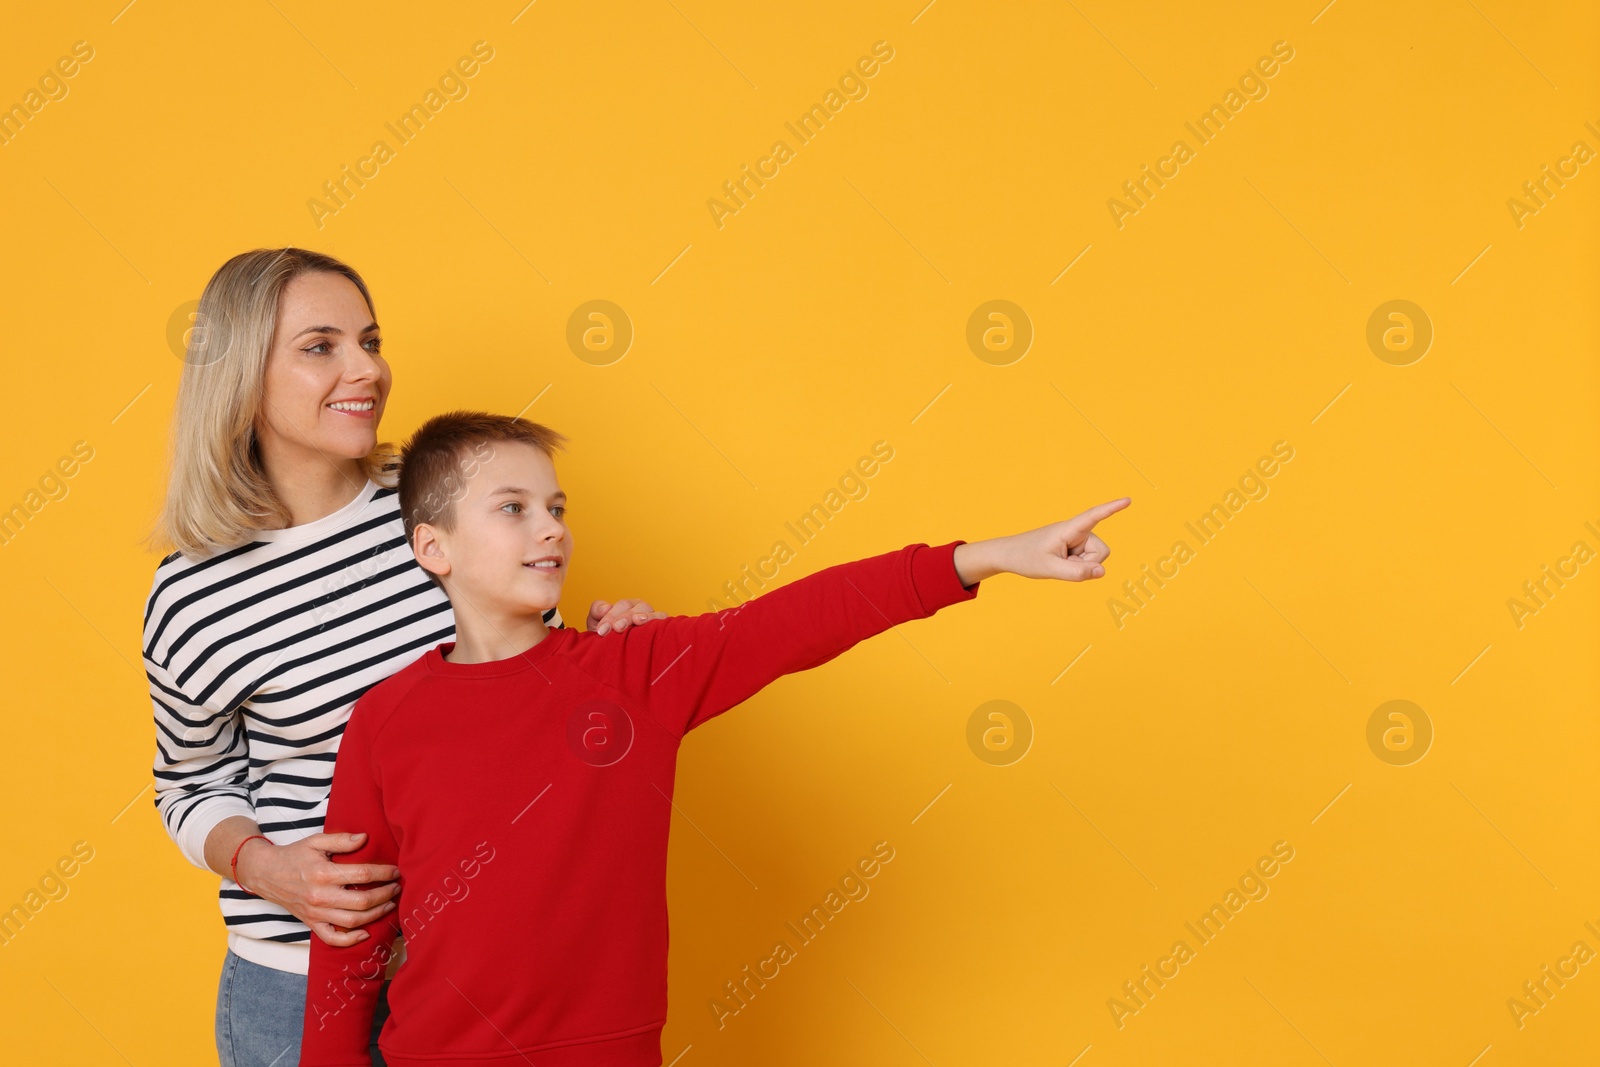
(547,565)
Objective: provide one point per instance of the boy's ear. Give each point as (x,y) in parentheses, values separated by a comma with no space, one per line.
(425,546)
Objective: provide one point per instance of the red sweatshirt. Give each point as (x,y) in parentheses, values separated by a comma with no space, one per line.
(527,802)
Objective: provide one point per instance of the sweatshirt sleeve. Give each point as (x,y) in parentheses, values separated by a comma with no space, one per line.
(343,983)
(201,765)
(688,669)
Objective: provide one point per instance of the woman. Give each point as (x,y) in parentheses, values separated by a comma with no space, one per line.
(292,591)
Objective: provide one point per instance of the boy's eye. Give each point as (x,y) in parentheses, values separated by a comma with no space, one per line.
(517,509)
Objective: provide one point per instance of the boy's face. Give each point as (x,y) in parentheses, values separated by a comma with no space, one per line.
(510,546)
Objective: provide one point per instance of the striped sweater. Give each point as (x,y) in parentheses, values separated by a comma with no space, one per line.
(255,656)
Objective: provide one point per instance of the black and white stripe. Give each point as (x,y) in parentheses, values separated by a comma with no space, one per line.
(255,656)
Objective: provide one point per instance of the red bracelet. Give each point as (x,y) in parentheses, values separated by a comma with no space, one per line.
(233,864)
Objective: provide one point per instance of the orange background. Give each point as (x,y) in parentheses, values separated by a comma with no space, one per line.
(830,312)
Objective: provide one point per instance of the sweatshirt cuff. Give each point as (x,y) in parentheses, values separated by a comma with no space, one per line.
(933,574)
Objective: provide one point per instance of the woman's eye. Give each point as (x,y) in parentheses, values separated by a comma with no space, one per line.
(374,344)
(320,344)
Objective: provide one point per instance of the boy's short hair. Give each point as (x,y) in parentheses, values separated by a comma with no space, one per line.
(446,450)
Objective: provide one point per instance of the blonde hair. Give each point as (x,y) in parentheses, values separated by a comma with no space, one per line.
(217,492)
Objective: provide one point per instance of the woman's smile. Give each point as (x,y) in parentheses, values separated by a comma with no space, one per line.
(356,407)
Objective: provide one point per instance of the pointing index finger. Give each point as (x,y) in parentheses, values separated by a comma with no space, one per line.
(1087,520)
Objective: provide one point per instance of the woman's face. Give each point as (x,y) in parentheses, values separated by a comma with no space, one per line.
(325,382)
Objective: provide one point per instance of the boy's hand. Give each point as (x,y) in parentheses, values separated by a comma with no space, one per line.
(605,617)
(1067,550)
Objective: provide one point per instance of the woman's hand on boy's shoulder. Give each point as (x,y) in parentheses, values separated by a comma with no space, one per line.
(1068,550)
(606,617)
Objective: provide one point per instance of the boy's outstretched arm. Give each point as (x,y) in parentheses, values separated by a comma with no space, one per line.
(688,669)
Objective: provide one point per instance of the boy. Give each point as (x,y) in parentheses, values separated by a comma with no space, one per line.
(521,778)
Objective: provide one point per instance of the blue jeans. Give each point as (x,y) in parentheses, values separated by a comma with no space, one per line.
(260,1013)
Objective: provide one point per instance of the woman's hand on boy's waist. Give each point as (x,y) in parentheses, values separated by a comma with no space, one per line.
(302,878)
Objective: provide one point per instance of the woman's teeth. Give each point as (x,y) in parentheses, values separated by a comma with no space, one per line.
(352,405)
